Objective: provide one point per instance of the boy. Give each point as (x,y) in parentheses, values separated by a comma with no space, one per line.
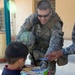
(16,54)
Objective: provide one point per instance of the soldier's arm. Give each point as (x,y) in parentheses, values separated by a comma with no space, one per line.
(69,50)
(55,40)
(27,25)
(65,51)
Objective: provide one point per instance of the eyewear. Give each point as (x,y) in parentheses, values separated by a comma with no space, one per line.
(43,15)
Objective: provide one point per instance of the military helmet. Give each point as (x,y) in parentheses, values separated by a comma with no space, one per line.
(27,38)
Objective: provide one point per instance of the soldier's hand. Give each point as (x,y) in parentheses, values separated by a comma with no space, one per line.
(54,55)
(43,64)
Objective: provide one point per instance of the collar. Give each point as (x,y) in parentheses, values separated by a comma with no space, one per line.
(6,66)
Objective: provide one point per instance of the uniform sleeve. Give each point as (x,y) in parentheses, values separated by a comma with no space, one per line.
(56,39)
(73,34)
(26,26)
(69,50)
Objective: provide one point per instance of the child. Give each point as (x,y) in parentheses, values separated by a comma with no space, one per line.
(16,54)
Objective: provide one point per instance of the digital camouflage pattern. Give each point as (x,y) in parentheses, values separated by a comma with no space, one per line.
(47,38)
(26,38)
(71,48)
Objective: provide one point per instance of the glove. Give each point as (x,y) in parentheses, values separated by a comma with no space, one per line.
(44,63)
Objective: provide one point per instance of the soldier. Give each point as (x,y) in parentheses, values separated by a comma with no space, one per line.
(65,51)
(46,26)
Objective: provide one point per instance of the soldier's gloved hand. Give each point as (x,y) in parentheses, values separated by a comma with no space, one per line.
(44,64)
(27,38)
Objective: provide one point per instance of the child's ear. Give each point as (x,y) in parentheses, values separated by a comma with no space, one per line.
(21,60)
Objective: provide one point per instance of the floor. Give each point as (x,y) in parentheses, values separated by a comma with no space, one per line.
(60,70)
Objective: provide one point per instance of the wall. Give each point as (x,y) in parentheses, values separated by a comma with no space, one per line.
(66,10)
(24,9)
(1,3)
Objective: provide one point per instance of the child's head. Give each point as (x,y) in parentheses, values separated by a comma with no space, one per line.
(16,52)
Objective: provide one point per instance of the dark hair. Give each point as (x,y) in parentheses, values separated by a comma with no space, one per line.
(12,60)
(15,51)
(44,4)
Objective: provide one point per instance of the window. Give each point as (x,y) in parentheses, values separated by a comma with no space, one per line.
(2,27)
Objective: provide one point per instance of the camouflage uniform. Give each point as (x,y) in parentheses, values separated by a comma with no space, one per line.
(71,48)
(47,39)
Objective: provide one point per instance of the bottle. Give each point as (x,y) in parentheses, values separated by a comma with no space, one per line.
(45,72)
